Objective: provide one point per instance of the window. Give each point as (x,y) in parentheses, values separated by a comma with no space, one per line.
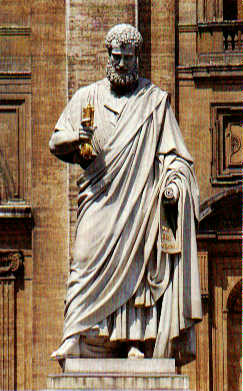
(230,11)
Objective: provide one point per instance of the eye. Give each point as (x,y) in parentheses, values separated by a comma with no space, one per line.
(116,57)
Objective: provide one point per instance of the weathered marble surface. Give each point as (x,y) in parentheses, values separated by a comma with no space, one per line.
(123,366)
(135,247)
(120,374)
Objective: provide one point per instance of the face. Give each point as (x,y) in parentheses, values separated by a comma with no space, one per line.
(123,59)
(122,69)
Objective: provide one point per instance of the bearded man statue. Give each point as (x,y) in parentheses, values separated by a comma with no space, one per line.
(133,288)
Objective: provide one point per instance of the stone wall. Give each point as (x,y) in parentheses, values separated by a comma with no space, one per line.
(208,81)
(208,73)
(49,184)
(34,218)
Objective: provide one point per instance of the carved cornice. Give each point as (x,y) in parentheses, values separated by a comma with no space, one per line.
(207,26)
(15,76)
(187,28)
(10,261)
(208,71)
(15,210)
(220,25)
(12,67)
(15,30)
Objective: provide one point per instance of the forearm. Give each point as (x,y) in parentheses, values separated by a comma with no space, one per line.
(63,143)
(66,147)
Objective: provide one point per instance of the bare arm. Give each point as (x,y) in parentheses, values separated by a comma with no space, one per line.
(62,143)
(66,146)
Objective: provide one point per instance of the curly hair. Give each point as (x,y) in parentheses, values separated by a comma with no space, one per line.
(124,34)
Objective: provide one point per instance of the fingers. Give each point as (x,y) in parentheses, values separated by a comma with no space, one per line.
(85,133)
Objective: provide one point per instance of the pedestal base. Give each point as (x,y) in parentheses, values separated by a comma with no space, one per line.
(119,374)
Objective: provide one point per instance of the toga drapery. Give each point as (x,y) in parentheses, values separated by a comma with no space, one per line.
(131,252)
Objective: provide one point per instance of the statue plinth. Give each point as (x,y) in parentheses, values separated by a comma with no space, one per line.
(119,374)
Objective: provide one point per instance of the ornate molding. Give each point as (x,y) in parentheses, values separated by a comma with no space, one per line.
(211,71)
(187,28)
(226,133)
(220,25)
(15,209)
(15,118)
(12,67)
(235,144)
(10,261)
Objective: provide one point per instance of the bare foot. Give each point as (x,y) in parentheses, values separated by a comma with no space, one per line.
(68,349)
(135,353)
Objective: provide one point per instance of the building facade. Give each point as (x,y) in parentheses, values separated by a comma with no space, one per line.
(192,49)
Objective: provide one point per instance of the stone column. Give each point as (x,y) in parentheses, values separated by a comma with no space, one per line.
(7,359)
(10,262)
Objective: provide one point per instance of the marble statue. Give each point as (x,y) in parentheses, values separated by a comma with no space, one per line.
(133,288)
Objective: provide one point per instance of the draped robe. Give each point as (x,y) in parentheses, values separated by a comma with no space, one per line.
(130,249)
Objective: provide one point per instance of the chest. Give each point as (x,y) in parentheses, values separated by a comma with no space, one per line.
(111,110)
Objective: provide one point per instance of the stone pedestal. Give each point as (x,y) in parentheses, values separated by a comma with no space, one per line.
(118,374)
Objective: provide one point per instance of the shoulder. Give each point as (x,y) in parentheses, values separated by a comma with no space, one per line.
(85,90)
(153,92)
(149,85)
(82,96)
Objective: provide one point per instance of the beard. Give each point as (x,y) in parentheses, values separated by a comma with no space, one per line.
(122,83)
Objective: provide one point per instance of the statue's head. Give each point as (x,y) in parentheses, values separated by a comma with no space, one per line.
(123,42)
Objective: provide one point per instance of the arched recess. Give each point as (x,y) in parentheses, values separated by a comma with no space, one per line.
(234,336)
(234,303)
(219,250)
(222,212)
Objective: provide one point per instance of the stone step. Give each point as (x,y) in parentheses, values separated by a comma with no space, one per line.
(118,389)
(118,374)
(117,381)
(123,365)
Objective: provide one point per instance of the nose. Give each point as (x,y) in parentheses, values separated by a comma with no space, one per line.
(121,64)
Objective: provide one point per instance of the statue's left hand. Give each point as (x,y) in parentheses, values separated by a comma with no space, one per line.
(170,194)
